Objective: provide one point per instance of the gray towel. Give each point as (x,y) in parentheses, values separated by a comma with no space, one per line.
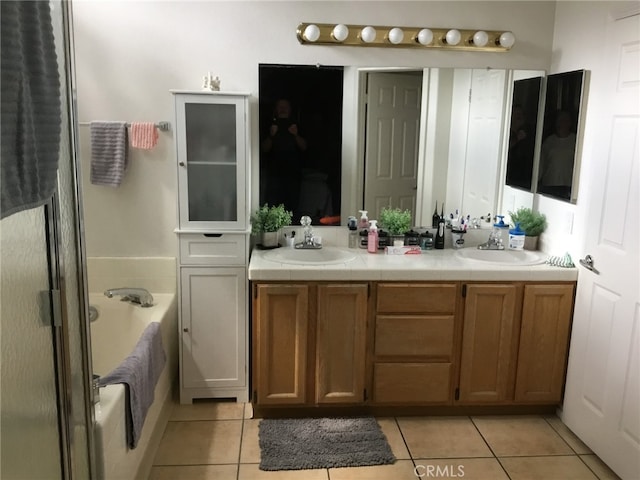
(30,97)
(139,372)
(109,158)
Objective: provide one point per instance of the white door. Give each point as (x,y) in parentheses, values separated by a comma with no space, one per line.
(602,397)
(391,150)
(484,138)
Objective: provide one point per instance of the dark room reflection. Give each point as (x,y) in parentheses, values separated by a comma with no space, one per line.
(522,132)
(301,140)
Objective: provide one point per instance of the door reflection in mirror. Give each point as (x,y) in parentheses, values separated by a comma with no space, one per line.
(522,132)
(558,152)
(301,140)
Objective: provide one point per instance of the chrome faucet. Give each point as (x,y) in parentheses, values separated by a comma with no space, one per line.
(308,242)
(138,296)
(494,242)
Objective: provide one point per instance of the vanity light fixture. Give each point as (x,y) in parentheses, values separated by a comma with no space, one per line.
(405,37)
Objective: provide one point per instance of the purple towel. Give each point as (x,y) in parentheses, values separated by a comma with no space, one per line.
(139,372)
(109,158)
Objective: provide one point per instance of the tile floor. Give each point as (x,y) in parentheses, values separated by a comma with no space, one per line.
(219,441)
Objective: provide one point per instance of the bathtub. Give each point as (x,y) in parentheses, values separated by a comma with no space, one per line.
(113,336)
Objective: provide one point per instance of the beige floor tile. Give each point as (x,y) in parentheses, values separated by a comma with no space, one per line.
(597,466)
(394,437)
(547,468)
(521,436)
(252,472)
(207,410)
(195,472)
(567,435)
(467,468)
(401,470)
(443,437)
(250,448)
(197,443)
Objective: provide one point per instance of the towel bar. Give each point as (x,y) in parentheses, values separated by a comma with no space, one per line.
(162,126)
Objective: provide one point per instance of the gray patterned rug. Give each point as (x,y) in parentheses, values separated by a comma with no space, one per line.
(305,443)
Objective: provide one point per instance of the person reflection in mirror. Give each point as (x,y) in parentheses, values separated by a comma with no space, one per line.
(556,157)
(521,148)
(284,147)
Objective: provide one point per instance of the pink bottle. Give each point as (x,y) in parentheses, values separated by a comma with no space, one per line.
(372,240)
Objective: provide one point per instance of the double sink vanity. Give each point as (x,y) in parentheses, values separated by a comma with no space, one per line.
(339,327)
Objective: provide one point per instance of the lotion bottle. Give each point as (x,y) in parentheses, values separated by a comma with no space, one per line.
(372,241)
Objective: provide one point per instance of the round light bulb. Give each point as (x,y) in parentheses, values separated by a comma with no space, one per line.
(368,34)
(396,35)
(507,39)
(425,36)
(453,37)
(311,33)
(480,38)
(340,32)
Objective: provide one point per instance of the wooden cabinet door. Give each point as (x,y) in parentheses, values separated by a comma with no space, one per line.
(544,340)
(282,323)
(488,343)
(341,343)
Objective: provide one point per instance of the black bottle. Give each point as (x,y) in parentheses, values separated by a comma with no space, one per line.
(436,218)
(439,241)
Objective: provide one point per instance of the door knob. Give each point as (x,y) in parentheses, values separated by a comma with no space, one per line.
(181,164)
(587,262)
(185,329)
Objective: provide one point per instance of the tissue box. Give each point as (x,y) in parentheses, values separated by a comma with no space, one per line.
(404,250)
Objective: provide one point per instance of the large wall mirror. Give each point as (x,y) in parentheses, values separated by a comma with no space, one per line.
(301,140)
(454,123)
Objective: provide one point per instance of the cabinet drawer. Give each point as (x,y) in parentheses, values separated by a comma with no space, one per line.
(414,335)
(412,382)
(416,298)
(221,249)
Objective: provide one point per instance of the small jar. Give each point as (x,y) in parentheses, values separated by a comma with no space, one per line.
(426,241)
(412,238)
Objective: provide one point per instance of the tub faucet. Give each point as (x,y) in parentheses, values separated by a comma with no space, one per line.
(494,242)
(139,296)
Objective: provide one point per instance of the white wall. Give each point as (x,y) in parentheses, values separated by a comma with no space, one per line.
(129,54)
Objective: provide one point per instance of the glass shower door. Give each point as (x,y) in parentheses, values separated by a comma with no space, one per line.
(30,441)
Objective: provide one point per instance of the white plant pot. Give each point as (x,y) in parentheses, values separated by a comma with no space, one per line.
(531,243)
(270,239)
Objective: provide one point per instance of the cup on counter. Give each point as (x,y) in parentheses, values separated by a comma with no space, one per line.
(457,239)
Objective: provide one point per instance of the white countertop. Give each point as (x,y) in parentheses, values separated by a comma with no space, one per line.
(430,265)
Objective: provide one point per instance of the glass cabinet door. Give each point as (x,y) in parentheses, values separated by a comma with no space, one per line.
(211,158)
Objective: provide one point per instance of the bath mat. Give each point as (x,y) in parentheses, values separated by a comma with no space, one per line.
(305,443)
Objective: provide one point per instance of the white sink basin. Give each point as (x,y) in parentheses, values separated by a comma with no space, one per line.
(503,257)
(323,256)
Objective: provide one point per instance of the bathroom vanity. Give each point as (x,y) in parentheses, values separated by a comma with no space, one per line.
(432,330)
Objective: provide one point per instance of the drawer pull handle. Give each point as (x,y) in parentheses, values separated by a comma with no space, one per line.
(212,235)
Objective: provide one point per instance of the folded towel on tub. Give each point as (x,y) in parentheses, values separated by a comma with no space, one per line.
(143,135)
(108,153)
(139,372)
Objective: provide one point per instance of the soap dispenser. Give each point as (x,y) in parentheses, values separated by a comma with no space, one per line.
(364,220)
(372,241)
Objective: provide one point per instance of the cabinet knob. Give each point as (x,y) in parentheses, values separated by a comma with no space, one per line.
(181,164)
(185,329)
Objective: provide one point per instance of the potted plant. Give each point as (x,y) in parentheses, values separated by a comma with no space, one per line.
(533,224)
(267,221)
(395,221)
